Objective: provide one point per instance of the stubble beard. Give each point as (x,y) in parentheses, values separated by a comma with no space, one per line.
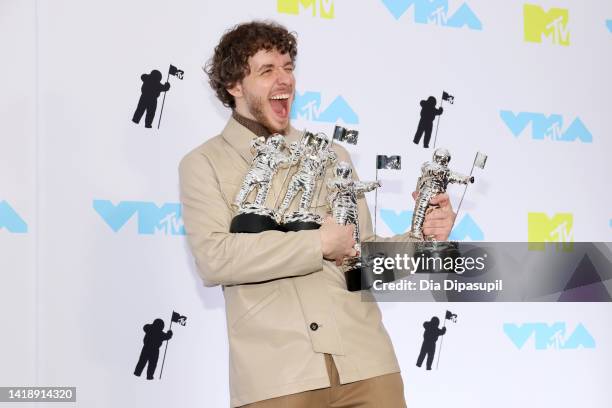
(255,106)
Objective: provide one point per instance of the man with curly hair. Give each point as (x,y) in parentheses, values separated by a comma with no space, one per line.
(297,337)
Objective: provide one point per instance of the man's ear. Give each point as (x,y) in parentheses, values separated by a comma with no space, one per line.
(236,90)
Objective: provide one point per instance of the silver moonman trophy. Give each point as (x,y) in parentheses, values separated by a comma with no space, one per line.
(268,157)
(314,156)
(342,199)
(435,177)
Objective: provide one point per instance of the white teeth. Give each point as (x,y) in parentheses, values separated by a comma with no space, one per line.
(282,96)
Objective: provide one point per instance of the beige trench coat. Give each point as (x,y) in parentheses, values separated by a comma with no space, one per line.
(273,348)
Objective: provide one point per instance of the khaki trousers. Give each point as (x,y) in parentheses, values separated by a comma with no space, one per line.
(385,391)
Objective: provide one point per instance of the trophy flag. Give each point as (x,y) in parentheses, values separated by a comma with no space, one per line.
(480,160)
(342,134)
(388,162)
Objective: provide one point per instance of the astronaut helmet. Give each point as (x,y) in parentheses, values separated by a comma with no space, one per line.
(158,324)
(322,141)
(155,75)
(276,140)
(344,170)
(441,156)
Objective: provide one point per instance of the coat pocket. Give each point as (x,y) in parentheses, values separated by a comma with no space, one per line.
(256,308)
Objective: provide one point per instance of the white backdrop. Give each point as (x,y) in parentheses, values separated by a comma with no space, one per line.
(75,292)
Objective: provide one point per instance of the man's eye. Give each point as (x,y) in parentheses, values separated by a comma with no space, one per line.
(266,71)
(289,69)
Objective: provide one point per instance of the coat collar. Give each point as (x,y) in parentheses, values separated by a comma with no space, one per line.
(239,137)
(251,124)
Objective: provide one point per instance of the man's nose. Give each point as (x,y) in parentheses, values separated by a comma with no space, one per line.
(284,77)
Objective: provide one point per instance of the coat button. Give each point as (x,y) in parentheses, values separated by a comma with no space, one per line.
(314,326)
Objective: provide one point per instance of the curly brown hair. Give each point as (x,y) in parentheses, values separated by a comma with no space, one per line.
(230,62)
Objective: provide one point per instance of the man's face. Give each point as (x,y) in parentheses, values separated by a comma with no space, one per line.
(267,92)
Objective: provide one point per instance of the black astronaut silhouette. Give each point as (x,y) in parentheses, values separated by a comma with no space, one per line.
(153,339)
(430,336)
(151,88)
(428,114)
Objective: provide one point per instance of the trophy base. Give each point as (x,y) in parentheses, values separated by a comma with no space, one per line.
(353,279)
(361,276)
(254,223)
(301,225)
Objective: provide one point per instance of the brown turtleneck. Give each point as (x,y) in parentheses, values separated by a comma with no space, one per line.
(252,125)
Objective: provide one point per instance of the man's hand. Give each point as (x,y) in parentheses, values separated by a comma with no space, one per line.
(336,241)
(439,221)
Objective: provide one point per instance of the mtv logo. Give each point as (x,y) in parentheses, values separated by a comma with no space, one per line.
(558,229)
(552,25)
(546,127)
(549,336)
(308,106)
(435,12)
(465,230)
(397,223)
(326,7)
(166,220)
(10,220)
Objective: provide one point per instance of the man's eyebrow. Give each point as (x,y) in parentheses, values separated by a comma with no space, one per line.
(265,66)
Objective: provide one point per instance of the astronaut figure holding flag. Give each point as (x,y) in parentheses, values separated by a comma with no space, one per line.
(435,177)
(342,199)
(150,91)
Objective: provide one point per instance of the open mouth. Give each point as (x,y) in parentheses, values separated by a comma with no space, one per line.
(280,105)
